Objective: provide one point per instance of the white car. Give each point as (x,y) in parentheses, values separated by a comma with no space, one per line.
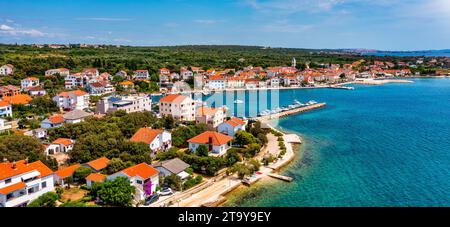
(165,191)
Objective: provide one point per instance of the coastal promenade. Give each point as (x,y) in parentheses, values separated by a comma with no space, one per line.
(212,192)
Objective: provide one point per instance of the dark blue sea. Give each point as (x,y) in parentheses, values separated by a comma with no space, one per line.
(383,145)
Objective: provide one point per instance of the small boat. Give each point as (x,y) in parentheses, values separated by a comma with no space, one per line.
(238,101)
(312,102)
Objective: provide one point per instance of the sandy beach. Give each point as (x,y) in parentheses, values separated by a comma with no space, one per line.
(380,82)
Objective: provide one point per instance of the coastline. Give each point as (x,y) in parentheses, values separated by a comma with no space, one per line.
(293,151)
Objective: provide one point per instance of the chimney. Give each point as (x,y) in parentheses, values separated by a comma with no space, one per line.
(210,141)
(26,161)
(14,165)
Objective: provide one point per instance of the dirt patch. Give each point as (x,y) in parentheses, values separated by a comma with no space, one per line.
(73,194)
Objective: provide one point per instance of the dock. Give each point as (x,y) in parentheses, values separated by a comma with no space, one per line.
(290,112)
(342,87)
(281,177)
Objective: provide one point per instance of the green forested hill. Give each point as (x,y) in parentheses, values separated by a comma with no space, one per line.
(30,60)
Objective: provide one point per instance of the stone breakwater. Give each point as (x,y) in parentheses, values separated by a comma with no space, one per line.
(290,112)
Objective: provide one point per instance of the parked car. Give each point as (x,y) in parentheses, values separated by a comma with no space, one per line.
(165,191)
(151,199)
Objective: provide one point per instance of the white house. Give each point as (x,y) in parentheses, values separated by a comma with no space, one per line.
(141,75)
(211,117)
(7,69)
(75,80)
(4,125)
(173,166)
(217,82)
(64,173)
(232,126)
(59,145)
(5,109)
(52,122)
(129,104)
(140,176)
(72,100)
(39,133)
(29,82)
(100,88)
(60,71)
(186,74)
(236,82)
(76,116)
(157,140)
(180,107)
(274,82)
(36,91)
(95,178)
(216,143)
(22,182)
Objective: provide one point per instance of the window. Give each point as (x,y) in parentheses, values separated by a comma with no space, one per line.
(44,184)
(7,181)
(138,181)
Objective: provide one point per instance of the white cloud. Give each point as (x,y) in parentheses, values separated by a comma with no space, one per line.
(104,19)
(5,27)
(7,30)
(293,6)
(206,21)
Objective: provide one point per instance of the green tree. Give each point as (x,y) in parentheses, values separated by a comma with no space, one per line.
(81,173)
(117,165)
(243,138)
(117,192)
(202,151)
(46,200)
(174,181)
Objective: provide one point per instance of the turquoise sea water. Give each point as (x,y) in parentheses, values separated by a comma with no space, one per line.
(374,146)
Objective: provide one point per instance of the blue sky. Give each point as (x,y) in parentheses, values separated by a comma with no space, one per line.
(371,24)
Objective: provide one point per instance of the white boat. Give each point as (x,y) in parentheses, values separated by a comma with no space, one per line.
(238,101)
(312,102)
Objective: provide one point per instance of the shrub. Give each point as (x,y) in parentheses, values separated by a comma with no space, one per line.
(46,200)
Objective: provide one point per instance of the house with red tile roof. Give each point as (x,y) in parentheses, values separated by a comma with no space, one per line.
(63,145)
(164,71)
(36,91)
(53,122)
(72,100)
(9,90)
(29,82)
(181,108)
(95,178)
(98,164)
(217,143)
(232,126)
(22,182)
(156,139)
(209,116)
(60,176)
(141,75)
(140,176)
(217,82)
(20,99)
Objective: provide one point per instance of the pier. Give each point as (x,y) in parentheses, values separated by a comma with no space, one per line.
(342,87)
(290,112)
(280,177)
